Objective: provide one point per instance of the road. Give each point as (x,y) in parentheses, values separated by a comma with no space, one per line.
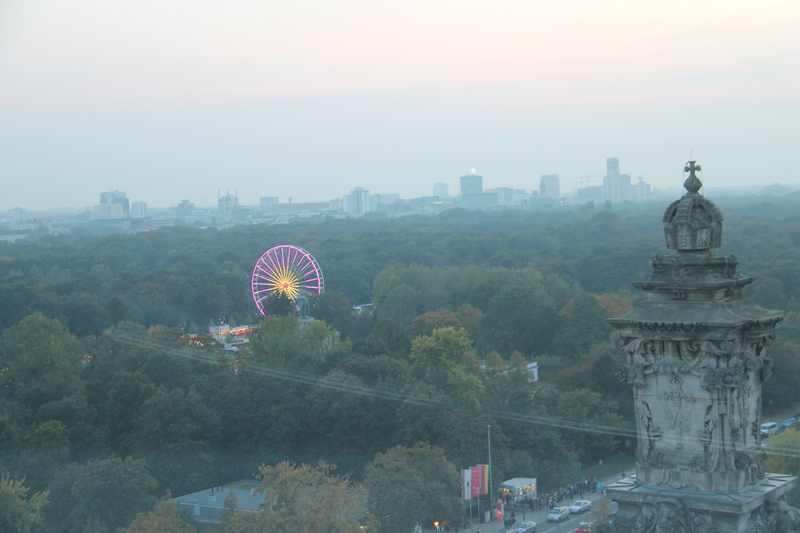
(543,526)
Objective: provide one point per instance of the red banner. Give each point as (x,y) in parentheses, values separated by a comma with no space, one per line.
(477,482)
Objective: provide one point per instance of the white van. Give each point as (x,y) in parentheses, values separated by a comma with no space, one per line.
(769,428)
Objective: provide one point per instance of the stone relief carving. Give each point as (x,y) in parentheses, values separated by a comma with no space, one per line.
(672,517)
(781,517)
(679,405)
(751,461)
(652,433)
(701,524)
(742,415)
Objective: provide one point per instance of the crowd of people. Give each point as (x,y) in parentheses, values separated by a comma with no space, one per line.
(552,499)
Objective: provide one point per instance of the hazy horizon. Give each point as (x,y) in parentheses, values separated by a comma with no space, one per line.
(311,99)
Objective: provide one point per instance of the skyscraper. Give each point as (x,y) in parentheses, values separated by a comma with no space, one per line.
(612,184)
(549,186)
(357,202)
(139,210)
(228,206)
(116,197)
(612,166)
(471,183)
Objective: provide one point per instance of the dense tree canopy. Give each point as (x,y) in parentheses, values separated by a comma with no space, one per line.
(407,486)
(101,374)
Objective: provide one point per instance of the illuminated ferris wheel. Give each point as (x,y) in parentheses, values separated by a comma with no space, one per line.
(287,270)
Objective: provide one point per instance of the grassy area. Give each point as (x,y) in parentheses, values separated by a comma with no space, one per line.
(611,466)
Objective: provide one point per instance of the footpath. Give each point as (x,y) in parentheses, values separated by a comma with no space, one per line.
(540,517)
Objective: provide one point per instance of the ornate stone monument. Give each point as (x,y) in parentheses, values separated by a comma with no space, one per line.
(696,359)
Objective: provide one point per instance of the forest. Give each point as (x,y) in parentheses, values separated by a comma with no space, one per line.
(112,395)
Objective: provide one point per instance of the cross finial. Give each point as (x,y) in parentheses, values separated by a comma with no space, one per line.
(692,183)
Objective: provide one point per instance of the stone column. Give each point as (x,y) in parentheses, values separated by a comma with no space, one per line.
(697,359)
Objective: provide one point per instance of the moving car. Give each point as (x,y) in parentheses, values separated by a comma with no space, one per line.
(769,428)
(788,422)
(557,514)
(584,527)
(579,506)
(525,527)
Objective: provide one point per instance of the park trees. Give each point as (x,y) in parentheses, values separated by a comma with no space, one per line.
(409,485)
(783,457)
(786,379)
(583,325)
(173,429)
(283,342)
(18,513)
(440,354)
(38,347)
(302,498)
(164,517)
(107,493)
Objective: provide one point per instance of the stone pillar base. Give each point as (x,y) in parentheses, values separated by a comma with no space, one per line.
(654,509)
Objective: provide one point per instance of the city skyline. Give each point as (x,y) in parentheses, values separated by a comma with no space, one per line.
(306,100)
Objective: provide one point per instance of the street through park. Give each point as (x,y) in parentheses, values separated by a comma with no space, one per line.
(540,517)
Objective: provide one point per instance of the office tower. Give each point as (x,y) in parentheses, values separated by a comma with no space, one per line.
(116,197)
(357,202)
(471,184)
(139,210)
(268,203)
(549,186)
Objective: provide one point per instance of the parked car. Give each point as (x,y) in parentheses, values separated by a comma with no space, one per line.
(579,506)
(525,527)
(584,527)
(769,428)
(788,422)
(557,514)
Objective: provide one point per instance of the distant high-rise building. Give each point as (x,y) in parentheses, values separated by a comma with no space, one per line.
(471,183)
(611,182)
(612,166)
(268,203)
(357,202)
(184,209)
(108,212)
(228,206)
(116,197)
(440,189)
(139,210)
(389,199)
(505,195)
(549,186)
(17,213)
(625,192)
(642,190)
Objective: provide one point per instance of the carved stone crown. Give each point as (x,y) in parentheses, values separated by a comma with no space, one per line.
(693,223)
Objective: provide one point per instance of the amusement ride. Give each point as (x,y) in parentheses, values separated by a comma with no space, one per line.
(287,270)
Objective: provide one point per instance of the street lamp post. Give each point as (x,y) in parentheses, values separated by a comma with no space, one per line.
(491,491)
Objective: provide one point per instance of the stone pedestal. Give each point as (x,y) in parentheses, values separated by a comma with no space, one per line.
(655,509)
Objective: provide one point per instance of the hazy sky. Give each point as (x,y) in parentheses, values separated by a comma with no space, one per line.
(175,99)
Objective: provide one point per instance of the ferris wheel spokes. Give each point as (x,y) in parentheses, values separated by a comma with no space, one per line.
(287,270)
